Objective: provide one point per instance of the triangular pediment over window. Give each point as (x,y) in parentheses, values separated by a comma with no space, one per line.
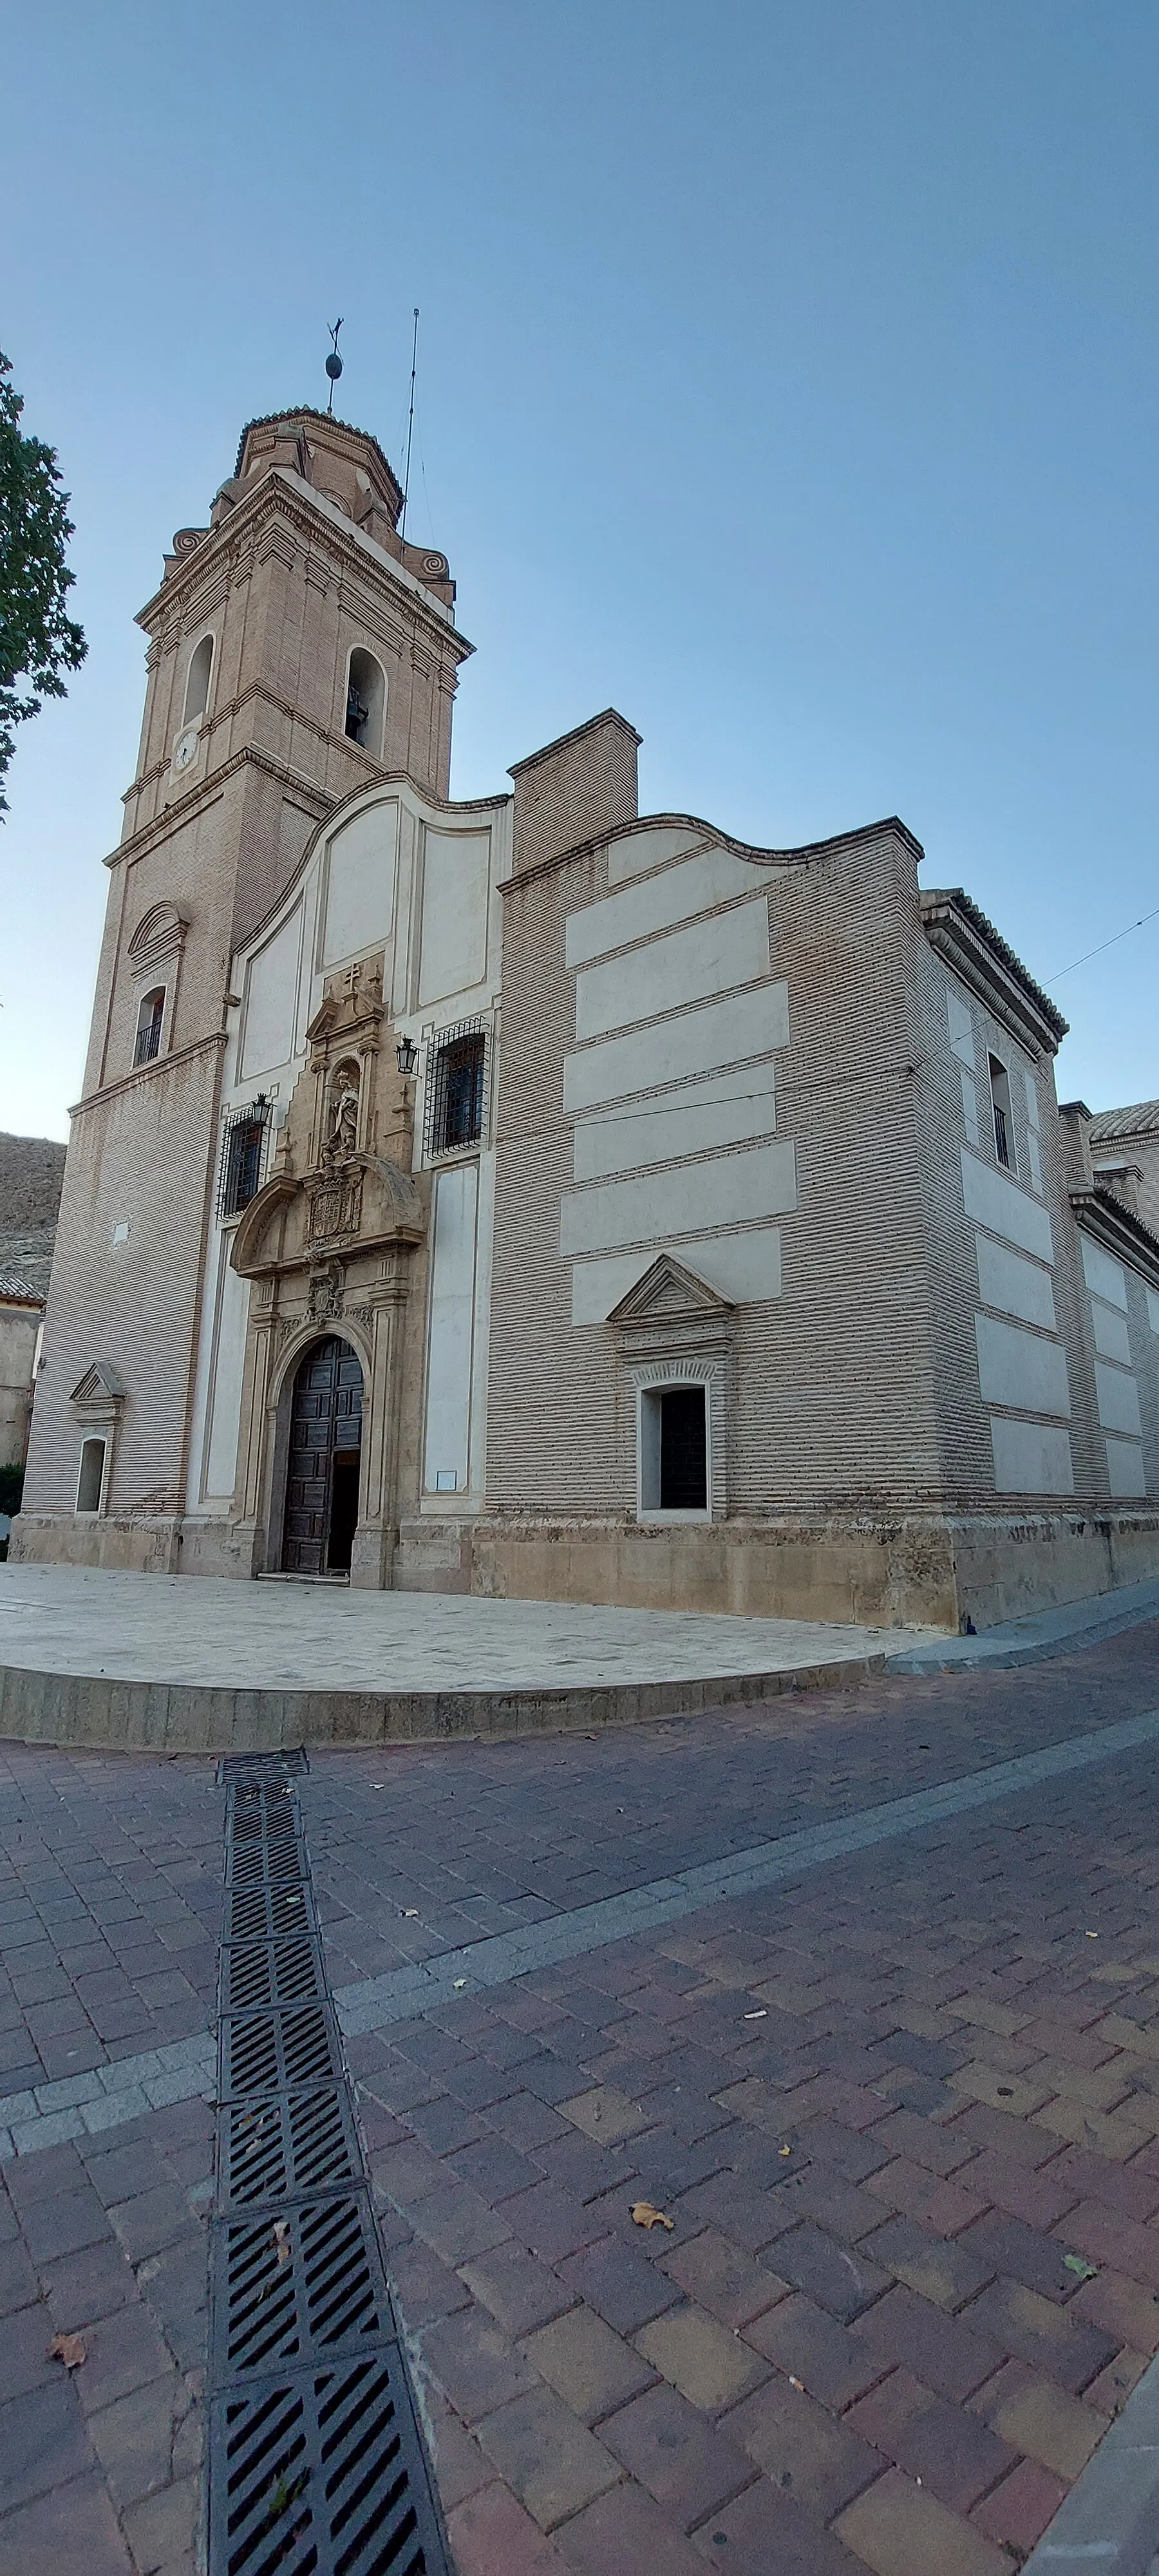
(101,1387)
(668,1290)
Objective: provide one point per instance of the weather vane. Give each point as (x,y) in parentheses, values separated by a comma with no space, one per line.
(334,362)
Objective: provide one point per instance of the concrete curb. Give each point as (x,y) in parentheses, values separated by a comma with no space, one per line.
(1058,1633)
(40,1707)
(1109,2523)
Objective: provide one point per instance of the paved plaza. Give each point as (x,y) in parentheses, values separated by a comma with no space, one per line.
(163,1661)
(875,2028)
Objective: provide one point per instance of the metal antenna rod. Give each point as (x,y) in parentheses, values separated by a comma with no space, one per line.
(334,362)
(410,423)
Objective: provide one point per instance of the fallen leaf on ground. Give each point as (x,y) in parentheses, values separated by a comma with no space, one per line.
(410,1914)
(282,2241)
(1075,2263)
(459,1981)
(646,2215)
(784,2151)
(69,2349)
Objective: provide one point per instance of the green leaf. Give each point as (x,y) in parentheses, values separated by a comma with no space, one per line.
(1075,2263)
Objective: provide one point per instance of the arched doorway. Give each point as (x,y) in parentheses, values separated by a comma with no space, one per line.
(322,1466)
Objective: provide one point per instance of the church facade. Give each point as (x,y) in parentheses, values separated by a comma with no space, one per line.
(528,1197)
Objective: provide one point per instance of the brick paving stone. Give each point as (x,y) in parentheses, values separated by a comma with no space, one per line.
(70,2532)
(1036,2330)
(1006,2245)
(1108,2393)
(619,2284)
(943,2351)
(491,2535)
(1036,2416)
(550,2222)
(763,2532)
(944,2447)
(722,2278)
(1018,2511)
(900,2529)
(624,2533)
(475,2364)
(594,2370)
(550,2460)
(42,2440)
(458,2222)
(709,2365)
(162,2529)
(425,2288)
(827,2272)
(833,2362)
(1124,2311)
(124,2351)
(133,2437)
(947,2272)
(688,2466)
(520,2292)
(802,2448)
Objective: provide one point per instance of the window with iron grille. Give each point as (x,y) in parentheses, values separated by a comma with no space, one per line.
(456,1090)
(242,1154)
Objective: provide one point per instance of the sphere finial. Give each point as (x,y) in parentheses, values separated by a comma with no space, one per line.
(334,362)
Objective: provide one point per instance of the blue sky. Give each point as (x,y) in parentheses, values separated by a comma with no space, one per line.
(787,378)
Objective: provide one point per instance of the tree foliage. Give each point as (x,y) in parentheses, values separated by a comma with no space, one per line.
(37,640)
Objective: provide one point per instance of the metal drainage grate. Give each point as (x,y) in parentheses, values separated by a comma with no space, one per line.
(284,2144)
(321,2471)
(235,1769)
(316,2462)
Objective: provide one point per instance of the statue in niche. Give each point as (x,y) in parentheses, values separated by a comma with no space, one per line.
(342,1137)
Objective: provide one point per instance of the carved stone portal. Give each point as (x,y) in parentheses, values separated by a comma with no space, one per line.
(329,1237)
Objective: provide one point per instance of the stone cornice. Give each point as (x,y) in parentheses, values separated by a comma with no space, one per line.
(1112,1225)
(306,792)
(980,957)
(283,494)
(864,834)
(147,1072)
(232,707)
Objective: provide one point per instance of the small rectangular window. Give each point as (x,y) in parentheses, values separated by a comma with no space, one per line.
(241,1158)
(456,1084)
(1003,1122)
(92,1475)
(674,1449)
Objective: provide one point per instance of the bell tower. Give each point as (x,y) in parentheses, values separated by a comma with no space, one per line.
(299,649)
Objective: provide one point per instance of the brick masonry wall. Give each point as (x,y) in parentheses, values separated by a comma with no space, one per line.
(834,1396)
(574,789)
(140,1156)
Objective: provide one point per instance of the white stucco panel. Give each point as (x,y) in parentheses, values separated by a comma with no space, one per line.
(744,1268)
(1003,1209)
(1014,1286)
(961,1020)
(1031,1458)
(1105,1277)
(1118,1399)
(1153,1310)
(648,848)
(761,1182)
(720,1033)
(225,1400)
(1126,1474)
(725,1109)
(1112,1336)
(456,876)
(1019,1368)
(679,894)
(715,955)
(271,992)
(360,870)
(451,1329)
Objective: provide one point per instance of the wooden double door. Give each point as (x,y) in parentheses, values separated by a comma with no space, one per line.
(322,1469)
